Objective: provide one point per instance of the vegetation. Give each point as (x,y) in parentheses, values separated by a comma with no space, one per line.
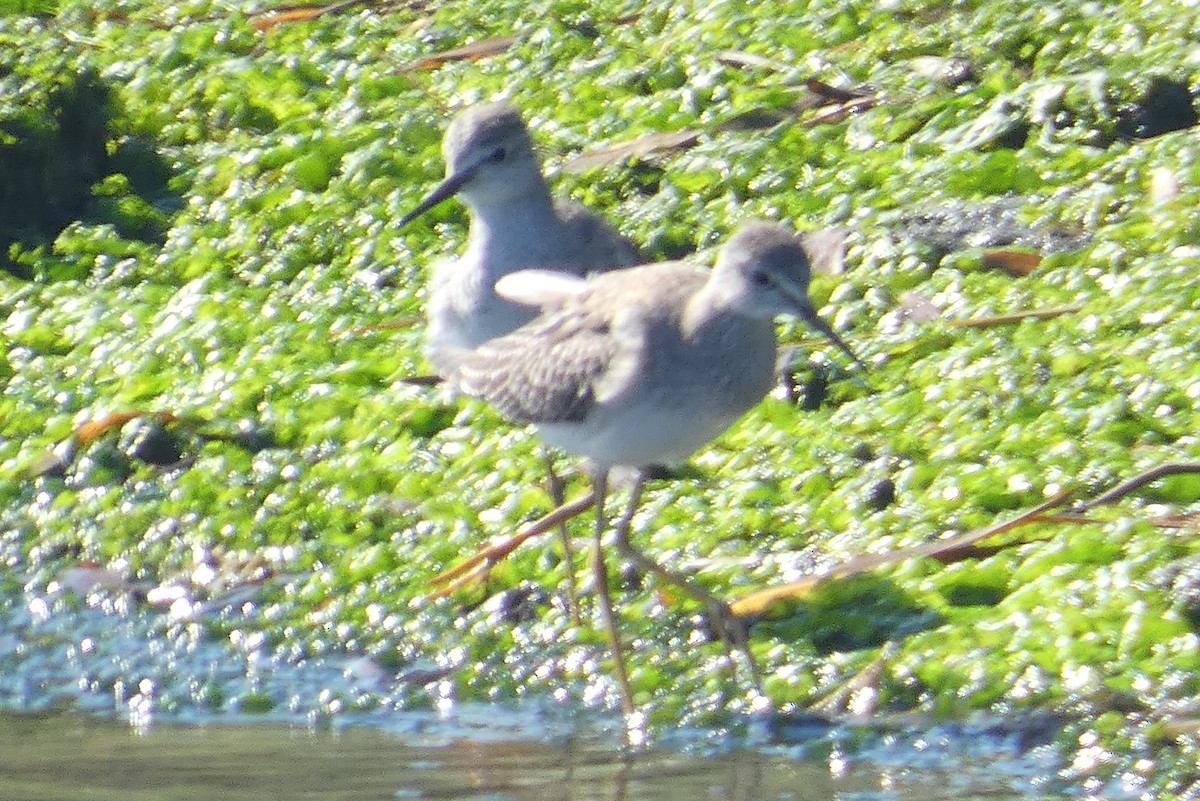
(196,206)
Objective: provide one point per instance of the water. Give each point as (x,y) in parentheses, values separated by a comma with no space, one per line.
(80,759)
(144,724)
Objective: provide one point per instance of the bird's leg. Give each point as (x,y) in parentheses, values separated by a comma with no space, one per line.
(476,566)
(607,613)
(732,629)
(784,377)
(556,486)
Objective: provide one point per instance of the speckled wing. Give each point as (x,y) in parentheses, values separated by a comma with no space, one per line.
(548,371)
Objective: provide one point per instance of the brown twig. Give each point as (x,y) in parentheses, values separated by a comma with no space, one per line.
(756,603)
(386,325)
(269,18)
(837,94)
(1137,482)
(1016,317)
(476,566)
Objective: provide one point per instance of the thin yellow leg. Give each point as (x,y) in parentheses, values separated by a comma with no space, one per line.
(607,613)
(732,629)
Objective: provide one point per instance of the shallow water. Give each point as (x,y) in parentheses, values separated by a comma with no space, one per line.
(52,757)
(156,730)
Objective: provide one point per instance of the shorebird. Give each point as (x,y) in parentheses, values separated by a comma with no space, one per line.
(642,367)
(515,224)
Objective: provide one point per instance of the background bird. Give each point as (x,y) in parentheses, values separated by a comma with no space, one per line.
(515,224)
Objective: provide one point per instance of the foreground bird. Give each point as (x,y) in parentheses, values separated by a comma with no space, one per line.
(515,225)
(491,165)
(642,367)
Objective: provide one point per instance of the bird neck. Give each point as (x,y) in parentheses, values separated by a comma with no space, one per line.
(527,200)
(506,236)
(709,306)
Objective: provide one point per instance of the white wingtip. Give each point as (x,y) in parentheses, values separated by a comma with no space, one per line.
(540,287)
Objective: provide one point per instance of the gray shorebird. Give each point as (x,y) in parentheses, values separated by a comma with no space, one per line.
(515,224)
(642,367)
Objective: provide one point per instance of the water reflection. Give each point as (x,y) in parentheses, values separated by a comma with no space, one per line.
(53,757)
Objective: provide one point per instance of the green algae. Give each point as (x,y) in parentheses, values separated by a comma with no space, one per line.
(227,255)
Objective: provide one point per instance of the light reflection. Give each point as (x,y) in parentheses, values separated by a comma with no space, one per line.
(863,701)
(636,733)
(839,766)
(444,702)
(183,609)
(39,609)
(141,708)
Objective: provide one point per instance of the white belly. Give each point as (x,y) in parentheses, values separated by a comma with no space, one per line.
(639,438)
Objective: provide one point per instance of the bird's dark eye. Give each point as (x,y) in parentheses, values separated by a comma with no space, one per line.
(760,279)
(499,154)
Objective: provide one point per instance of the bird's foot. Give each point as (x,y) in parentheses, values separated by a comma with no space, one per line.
(734,631)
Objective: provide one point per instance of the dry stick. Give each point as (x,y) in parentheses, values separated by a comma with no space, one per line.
(385,325)
(334,8)
(1014,318)
(751,604)
(758,602)
(484,558)
(1124,488)
(281,14)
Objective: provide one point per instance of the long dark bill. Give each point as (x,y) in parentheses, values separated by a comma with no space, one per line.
(814,320)
(446,189)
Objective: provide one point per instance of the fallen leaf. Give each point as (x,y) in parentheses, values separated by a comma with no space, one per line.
(94,429)
(759,119)
(740,58)
(422,380)
(81,580)
(118,18)
(386,325)
(860,695)
(295,15)
(53,461)
(1177,727)
(826,250)
(237,596)
(426,672)
(640,148)
(365,671)
(829,115)
(836,94)
(1019,263)
(1002,121)
(918,308)
(1164,185)
(287,14)
(474,51)
(946,70)
(1180,520)
(166,594)
(995,321)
